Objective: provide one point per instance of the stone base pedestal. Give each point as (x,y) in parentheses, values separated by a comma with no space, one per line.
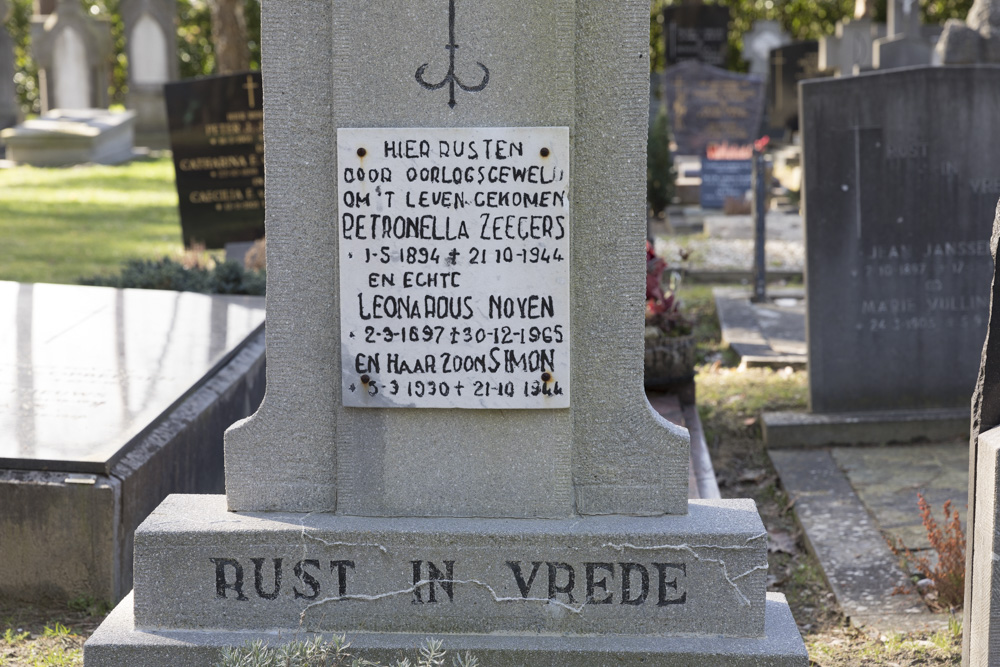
(64,137)
(151,116)
(118,643)
(578,591)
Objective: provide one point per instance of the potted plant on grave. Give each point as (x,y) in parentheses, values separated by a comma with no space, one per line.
(670,345)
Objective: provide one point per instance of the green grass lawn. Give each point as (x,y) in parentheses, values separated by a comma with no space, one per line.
(57,225)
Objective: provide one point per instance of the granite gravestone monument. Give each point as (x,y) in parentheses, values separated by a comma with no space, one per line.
(849,50)
(904,44)
(216,134)
(710,105)
(726,173)
(455,437)
(789,64)
(897,209)
(152,62)
(73,52)
(696,32)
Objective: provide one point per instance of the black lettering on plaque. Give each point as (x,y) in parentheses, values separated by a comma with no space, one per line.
(602,583)
(664,584)
(515,567)
(627,583)
(306,579)
(258,578)
(341,566)
(554,588)
(434,576)
(220,578)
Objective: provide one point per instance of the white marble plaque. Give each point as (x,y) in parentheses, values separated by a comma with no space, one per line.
(454,267)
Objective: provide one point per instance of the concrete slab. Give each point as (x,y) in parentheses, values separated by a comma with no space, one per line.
(804,429)
(71,136)
(888,479)
(845,538)
(769,334)
(117,642)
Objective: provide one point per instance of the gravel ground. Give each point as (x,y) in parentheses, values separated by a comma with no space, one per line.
(704,253)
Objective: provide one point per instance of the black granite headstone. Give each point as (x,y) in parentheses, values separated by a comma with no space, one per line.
(710,105)
(696,32)
(216,134)
(902,173)
(787,65)
(722,179)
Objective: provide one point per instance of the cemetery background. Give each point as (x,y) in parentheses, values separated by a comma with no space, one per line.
(731,425)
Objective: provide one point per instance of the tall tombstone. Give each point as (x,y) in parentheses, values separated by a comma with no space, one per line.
(758,43)
(981,611)
(904,45)
(152,62)
(73,52)
(455,437)
(710,105)
(698,32)
(8,93)
(849,50)
(788,65)
(897,209)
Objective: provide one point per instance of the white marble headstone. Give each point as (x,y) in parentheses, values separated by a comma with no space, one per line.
(148,52)
(72,77)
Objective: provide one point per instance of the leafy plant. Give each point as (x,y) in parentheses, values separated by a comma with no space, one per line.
(663,315)
(948,542)
(168,274)
(660,174)
(10,637)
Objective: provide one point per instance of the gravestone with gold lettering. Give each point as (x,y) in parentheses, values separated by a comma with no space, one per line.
(216,135)
(710,105)
(897,220)
(455,439)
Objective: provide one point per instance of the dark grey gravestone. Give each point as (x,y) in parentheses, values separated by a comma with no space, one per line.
(897,211)
(710,105)
(696,32)
(787,66)
(8,94)
(722,179)
(216,133)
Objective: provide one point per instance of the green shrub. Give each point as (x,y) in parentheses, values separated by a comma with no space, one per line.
(659,165)
(168,274)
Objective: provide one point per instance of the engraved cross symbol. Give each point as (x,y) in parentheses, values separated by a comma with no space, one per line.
(451,78)
(250,86)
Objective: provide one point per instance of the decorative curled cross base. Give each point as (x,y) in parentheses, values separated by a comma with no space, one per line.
(450,78)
